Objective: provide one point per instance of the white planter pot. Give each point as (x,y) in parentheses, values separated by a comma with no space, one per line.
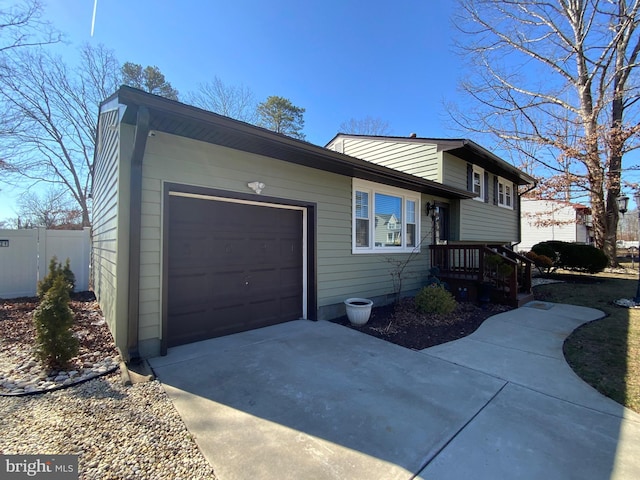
(358,310)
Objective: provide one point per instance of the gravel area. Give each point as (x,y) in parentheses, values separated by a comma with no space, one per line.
(118,431)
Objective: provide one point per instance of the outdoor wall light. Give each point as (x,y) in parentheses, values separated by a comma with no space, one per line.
(430,207)
(256,186)
(623,203)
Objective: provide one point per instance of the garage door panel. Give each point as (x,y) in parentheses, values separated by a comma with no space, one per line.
(232,267)
(189,287)
(289,276)
(262,250)
(191,251)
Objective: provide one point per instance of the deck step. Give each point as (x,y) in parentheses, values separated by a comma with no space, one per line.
(524,298)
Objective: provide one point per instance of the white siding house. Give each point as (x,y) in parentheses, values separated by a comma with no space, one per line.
(544,220)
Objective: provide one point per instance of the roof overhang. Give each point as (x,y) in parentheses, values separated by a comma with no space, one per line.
(176,118)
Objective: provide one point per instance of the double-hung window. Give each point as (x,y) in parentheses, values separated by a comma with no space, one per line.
(478,183)
(505,193)
(385,219)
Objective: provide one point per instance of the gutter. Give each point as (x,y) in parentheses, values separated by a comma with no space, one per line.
(135,222)
(267,143)
(535,184)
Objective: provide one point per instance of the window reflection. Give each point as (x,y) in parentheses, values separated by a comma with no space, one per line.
(388,222)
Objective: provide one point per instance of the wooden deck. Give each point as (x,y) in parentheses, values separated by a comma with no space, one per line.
(482,268)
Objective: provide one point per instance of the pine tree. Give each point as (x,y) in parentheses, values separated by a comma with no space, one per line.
(55,343)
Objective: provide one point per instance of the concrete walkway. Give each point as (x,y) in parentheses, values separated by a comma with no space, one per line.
(315,400)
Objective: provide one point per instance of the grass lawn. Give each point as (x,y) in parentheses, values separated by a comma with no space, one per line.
(605,353)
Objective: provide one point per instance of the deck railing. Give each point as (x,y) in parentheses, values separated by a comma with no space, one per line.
(505,270)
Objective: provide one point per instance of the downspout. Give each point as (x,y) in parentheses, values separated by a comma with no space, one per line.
(135,222)
(535,184)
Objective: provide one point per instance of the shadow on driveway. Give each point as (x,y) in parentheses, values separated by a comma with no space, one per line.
(315,400)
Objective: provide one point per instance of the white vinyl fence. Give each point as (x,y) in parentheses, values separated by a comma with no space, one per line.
(25,256)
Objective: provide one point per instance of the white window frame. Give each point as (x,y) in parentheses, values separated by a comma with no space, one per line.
(371,189)
(502,199)
(480,172)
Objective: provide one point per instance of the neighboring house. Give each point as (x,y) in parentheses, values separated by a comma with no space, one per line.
(544,220)
(388,230)
(205,226)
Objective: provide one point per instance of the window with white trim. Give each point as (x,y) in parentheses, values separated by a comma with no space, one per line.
(385,219)
(478,183)
(505,193)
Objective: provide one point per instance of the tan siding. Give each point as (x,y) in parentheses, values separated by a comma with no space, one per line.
(410,157)
(340,274)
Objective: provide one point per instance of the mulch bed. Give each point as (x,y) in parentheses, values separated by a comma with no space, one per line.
(403,325)
(17,330)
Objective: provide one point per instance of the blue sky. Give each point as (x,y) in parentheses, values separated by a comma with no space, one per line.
(338,59)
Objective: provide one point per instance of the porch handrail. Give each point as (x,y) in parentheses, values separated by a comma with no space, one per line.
(467,262)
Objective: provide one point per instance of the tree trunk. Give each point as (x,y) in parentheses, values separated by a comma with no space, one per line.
(611,228)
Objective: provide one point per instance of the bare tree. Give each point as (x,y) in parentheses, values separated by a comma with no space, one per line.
(53,118)
(366,126)
(53,210)
(21,25)
(232,101)
(554,83)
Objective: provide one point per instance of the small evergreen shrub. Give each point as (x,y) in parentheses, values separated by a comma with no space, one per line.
(435,299)
(56,269)
(55,343)
(433,279)
(584,258)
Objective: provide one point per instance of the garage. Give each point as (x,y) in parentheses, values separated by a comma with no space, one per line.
(233,265)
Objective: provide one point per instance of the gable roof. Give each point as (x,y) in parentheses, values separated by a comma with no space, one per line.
(462,148)
(177,118)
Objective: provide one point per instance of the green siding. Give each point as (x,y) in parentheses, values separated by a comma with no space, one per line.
(487,223)
(110,216)
(471,220)
(454,171)
(340,274)
(478,221)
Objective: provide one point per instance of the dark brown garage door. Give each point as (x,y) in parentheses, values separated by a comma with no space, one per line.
(232,267)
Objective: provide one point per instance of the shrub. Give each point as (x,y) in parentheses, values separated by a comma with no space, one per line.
(543,263)
(547,249)
(573,256)
(584,258)
(56,269)
(433,279)
(55,343)
(496,263)
(435,299)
